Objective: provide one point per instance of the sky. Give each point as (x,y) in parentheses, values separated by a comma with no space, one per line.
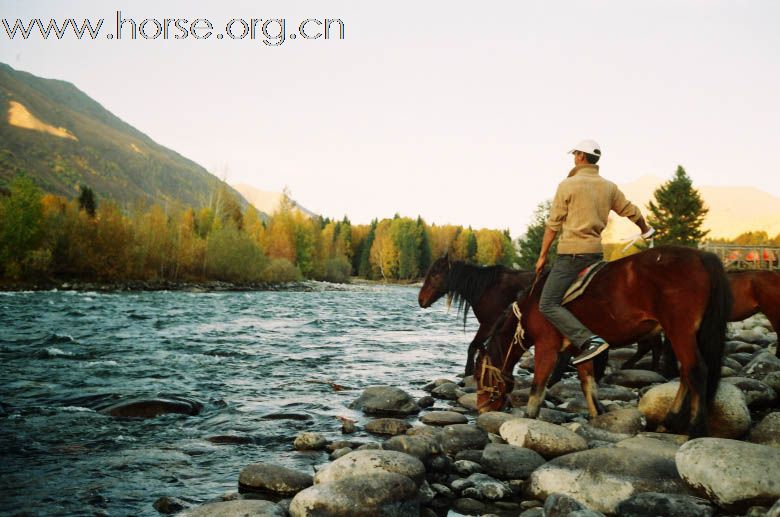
(461,112)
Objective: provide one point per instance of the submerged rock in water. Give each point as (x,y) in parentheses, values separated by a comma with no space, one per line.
(238,508)
(266,477)
(652,504)
(378,493)
(150,408)
(386,401)
(170,505)
(306,441)
(549,440)
(366,463)
(733,474)
(729,416)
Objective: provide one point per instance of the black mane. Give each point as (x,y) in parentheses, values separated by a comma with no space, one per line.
(467,282)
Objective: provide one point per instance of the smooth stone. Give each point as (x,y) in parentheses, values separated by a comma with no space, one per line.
(760,365)
(421,447)
(620,393)
(151,408)
(237,508)
(653,504)
(549,440)
(426,402)
(506,461)
(447,391)
(625,421)
(466,467)
(170,505)
(426,493)
(492,420)
(370,446)
(731,363)
(469,382)
(468,401)
(367,463)
(674,439)
(561,505)
(774,511)
(469,506)
(435,384)
(772,379)
(733,474)
(338,453)
(385,401)
(767,432)
(726,372)
(483,487)
(742,358)
(729,416)
(387,426)
(306,441)
(379,493)
(634,378)
(595,435)
(603,478)
(643,444)
(757,393)
(266,477)
(533,512)
(442,418)
(459,437)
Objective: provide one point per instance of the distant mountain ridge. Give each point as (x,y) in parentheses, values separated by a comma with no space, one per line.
(266,201)
(62,138)
(732,210)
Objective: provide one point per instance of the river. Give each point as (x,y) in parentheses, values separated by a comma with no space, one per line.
(262,364)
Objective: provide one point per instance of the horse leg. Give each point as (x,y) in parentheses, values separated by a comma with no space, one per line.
(585,372)
(472,351)
(642,347)
(560,367)
(688,411)
(544,363)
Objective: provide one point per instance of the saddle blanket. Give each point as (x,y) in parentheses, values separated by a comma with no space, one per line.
(583,280)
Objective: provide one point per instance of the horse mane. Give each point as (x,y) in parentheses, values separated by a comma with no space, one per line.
(467,283)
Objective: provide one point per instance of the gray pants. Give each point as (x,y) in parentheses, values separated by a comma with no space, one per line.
(564,272)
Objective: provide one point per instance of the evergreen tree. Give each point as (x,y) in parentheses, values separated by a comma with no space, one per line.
(364,266)
(87,201)
(471,245)
(530,244)
(678,211)
(425,246)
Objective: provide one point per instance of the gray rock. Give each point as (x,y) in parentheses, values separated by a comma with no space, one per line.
(757,393)
(594,434)
(774,511)
(370,446)
(367,463)
(533,512)
(560,505)
(460,437)
(387,426)
(426,493)
(483,487)
(237,508)
(386,401)
(338,453)
(643,444)
(729,416)
(652,504)
(466,467)
(306,441)
(634,378)
(421,447)
(468,401)
(760,365)
(505,461)
(767,432)
(602,478)
(435,384)
(772,379)
(442,490)
(447,391)
(492,420)
(742,358)
(384,493)
(733,474)
(469,506)
(169,505)
(442,418)
(547,439)
(623,421)
(426,402)
(266,477)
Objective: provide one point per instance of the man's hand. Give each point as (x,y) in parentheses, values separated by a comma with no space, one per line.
(540,262)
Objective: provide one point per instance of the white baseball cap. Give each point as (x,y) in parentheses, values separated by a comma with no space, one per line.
(589,147)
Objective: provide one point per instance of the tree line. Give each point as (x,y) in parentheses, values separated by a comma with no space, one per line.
(47,237)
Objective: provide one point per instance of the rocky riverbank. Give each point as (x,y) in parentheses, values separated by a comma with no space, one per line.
(434,455)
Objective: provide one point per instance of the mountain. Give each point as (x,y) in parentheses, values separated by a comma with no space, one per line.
(733,210)
(62,138)
(266,201)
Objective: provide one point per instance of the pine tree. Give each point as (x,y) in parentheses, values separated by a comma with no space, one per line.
(678,211)
(87,200)
(530,244)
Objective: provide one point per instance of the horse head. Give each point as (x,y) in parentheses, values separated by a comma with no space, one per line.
(436,282)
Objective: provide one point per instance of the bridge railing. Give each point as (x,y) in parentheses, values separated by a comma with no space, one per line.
(745,257)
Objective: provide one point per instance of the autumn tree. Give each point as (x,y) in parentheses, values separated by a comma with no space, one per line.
(21,229)
(677,212)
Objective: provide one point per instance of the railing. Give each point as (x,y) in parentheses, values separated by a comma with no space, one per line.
(745,257)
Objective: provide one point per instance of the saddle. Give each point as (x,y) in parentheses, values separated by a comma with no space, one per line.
(584,279)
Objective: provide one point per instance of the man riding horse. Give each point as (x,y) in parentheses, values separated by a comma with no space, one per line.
(579,213)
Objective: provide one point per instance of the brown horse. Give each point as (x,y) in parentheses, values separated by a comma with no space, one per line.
(682,290)
(485,289)
(753,292)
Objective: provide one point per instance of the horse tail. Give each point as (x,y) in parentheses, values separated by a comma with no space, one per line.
(711,336)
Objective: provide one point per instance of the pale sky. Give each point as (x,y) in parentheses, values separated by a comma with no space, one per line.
(461,112)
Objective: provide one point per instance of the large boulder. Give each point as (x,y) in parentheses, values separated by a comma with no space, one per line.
(505,461)
(643,444)
(653,504)
(603,478)
(461,437)
(733,474)
(380,493)
(547,439)
(236,508)
(266,477)
(386,401)
(634,378)
(767,432)
(729,416)
(368,462)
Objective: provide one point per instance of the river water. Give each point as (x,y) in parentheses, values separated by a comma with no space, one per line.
(247,356)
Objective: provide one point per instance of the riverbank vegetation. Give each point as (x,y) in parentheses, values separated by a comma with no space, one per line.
(48,237)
